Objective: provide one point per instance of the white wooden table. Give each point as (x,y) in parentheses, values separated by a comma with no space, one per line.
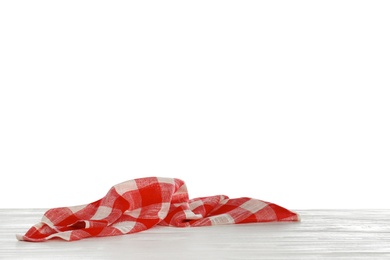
(321,234)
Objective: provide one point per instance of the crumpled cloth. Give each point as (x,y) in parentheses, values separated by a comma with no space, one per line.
(140,204)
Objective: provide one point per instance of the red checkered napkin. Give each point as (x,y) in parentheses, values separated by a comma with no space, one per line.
(140,204)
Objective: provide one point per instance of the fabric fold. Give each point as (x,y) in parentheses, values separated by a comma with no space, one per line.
(140,204)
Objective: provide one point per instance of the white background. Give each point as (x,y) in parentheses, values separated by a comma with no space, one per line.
(285,101)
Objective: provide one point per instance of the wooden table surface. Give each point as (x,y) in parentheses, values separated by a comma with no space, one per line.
(321,234)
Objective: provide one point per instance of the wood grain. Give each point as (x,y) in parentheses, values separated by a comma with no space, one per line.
(321,234)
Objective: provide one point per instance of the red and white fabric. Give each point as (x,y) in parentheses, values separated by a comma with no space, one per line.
(140,204)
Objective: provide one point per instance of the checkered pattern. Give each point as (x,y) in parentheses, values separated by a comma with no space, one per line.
(140,204)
